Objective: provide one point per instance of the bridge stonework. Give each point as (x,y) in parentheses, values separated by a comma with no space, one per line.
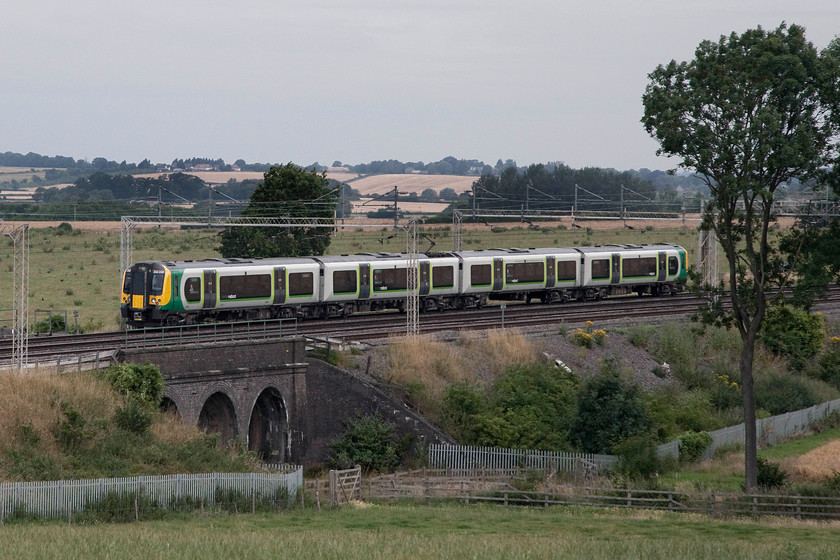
(284,406)
(255,391)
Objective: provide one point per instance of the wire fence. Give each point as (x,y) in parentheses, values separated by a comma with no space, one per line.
(136,497)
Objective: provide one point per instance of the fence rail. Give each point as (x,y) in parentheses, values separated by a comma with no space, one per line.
(57,499)
(426,485)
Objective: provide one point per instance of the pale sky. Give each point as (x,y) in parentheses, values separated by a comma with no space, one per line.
(358,80)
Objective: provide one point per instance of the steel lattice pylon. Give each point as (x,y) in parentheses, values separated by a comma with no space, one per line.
(20,290)
(412,272)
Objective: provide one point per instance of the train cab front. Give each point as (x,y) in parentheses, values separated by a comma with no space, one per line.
(144,293)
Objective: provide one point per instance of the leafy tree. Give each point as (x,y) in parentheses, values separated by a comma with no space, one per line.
(531,407)
(286,191)
(748,114)
(793,333)
(609,411)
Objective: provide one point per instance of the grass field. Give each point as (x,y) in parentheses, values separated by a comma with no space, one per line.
(396,532)
(80,271)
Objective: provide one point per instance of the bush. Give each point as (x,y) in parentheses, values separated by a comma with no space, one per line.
(141,382)
(771,475)
(792,333)
(53,323)
(135,417)
(531,407)
(780,393)
(693,445)
(368,441)
(609,410)
(462,403)
(637,458)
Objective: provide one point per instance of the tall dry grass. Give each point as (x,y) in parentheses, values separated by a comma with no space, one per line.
(816,465)
(422,359)
(34,400)
(499,349)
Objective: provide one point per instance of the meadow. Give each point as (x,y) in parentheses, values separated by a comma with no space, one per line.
(78,270)
(441,531)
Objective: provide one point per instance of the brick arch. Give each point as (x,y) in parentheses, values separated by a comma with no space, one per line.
(268,428)
(218,415)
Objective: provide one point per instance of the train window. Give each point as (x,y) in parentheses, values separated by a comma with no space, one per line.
(192,289)
(344,281)
(529,272)
(127,282)
(566,270)
(600,269)
(480,274)
(157,282)
(300,284)
(389,279)
(673,266)
(252,286)
(138,282)
(443,276)
(640,267)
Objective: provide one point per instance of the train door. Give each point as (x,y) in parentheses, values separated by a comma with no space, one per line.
(137,297)
(423,285)
(616,269)
(364,281)
(550,272)
(498,274)
(279,285)
(209,289)
(662,267)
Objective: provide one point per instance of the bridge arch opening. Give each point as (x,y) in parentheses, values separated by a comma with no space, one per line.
(218,416)
(269,427)
(168,406)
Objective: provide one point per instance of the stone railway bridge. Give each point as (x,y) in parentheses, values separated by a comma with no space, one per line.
(267,393)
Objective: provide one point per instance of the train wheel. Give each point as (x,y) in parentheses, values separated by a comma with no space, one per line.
(171,320)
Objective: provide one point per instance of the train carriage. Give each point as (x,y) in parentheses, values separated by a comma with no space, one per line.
(171,293)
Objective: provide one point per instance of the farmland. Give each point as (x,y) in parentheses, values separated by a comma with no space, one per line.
(446,531)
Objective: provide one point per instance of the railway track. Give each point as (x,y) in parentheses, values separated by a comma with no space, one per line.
(374,327)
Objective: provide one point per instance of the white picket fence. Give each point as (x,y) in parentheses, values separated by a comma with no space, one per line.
(60,498)
(465,458)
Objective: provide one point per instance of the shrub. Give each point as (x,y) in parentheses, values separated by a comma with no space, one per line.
(780,393)
(368,441)
(53,323)
(462,403)
(792,333)
(639,335)
(531,407)
(637,458)
(142,382)
(693,445)
(134,417)
(770,475)
(676,345)
(609,410)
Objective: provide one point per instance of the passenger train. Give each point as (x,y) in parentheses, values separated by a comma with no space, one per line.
(185,292)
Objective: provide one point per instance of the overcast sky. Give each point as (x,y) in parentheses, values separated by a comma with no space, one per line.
(322,80)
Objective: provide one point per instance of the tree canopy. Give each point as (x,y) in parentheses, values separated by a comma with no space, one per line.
(286,191)
(748,114)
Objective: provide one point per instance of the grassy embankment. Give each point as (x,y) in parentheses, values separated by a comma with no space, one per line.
(64,427)
(442,531)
